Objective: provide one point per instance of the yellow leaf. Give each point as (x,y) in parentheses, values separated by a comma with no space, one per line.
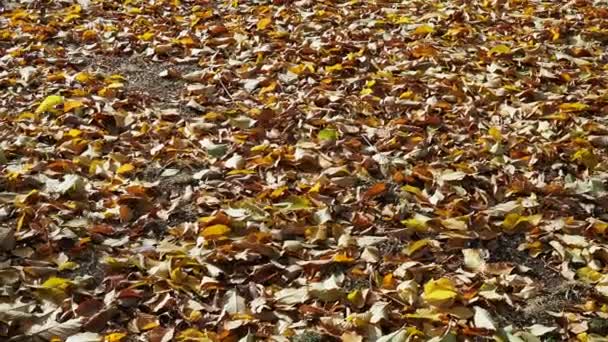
(417,223)
(48,103)
(495,133)
(499,50)
(300,68)
(342,257)
(356,298)
(259,148)
(56,283)
(511,87)
(216,230)
(406,95)
(573,107)
(278,192)
(512,220)
(71,104)
(186,41)
(20,221)
(554,33)
(416,246)
(315,188)
(192,335)
(68,265)
(263,23)
(557,116)
(440,292)
(27,116)
(146,37)
(93,166)
(74,133)
(269,88)
(106,92)
(424,29)
(411,189)
(115,337)
(588,275)
(366,91)
(241,172)
(150,325)
(70,17)
(335,67)
(125,169)
(398,19)
(586,157)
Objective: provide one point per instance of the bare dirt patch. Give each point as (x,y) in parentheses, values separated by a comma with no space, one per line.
(557,293)
(145,77)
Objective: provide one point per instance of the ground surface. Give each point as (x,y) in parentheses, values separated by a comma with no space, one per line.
(306,170)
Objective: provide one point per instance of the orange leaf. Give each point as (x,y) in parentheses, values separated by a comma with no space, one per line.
(388,282)
(375,190)
(125,213)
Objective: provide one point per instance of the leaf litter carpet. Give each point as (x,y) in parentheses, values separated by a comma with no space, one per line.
(303,170)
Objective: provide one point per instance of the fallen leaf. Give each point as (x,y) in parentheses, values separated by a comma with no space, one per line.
(264,23)
(49,103)
(216,231)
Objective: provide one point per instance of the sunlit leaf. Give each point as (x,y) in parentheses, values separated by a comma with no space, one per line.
(585,157)
(416,246)
(573,107)
(49,103)
(440,292)
(215,231)
(423,30)
(513,220)
(328,134)
(500,49)
(125,169)
(588,275)
(264,23)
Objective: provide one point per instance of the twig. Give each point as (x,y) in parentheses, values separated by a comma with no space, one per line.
(225,89)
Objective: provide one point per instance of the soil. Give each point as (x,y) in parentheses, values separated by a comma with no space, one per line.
(557,293)
(143,76)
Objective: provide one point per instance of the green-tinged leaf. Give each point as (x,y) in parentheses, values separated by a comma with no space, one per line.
(500,49)
(295,203)
(573,107)
(49,103)
(417,223)
(328,134)
(585,156)
(588,275)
